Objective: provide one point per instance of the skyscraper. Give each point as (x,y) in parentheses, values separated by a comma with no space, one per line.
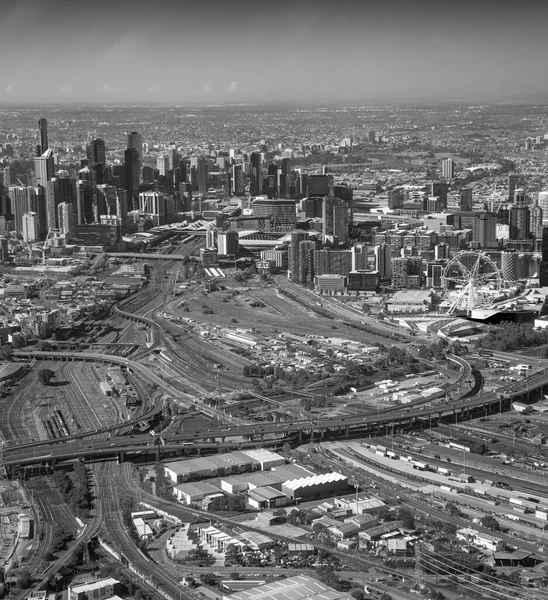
(466,203)
(203,176)
(519,219)
(96,152)
(255,174)
(297,236)
(43,129)
(135,141)
(513,180)
(43,168)
(306,262)
(154,205)
(65,218)
(131,169)
(238,182)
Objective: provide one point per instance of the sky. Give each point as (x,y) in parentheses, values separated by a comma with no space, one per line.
(311,51)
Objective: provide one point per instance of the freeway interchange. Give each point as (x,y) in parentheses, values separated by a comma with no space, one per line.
(252,435)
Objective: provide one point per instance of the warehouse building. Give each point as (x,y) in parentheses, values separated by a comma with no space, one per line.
(192,493)
(314,486)
(274,478)
(363,505)
(220,465)
(300,587)
(266,497)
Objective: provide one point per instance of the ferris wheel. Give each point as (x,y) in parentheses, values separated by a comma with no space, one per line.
(470,280)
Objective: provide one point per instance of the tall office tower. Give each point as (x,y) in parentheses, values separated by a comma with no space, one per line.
(383,261)
(65,218)
(297,236)
(132,176)
(96,152)
(23,200)
(203,175)
(52,199)
(520,197)
(9,176)
(228,243)
(173,160)
(441,251)
(238,180)
(447,168)
(439,189)
(359,254)
(332,262)
(30,228)
(543,203)
(484,230)
(399,272)
(536,216)
(306,262)
(466,203)
(519,222)
(154,205)
(135,141)
(395,198)
(256,177)
(162,164)
(84,203)
(122,209)
(509,265)
(513,181)
(371,137)
(43,130)
(44,168)
(283,178)
(183,174)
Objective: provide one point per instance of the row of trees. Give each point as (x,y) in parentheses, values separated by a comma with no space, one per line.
(511,336)
(75,489)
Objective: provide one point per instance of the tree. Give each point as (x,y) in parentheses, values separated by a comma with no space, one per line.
(45,376)
(406,517)
(490,522)
(385,596)
(25,580)
(208,579)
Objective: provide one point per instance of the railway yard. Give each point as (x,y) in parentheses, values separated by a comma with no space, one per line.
(258,353)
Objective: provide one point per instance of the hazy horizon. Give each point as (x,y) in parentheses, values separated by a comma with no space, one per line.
(306,52)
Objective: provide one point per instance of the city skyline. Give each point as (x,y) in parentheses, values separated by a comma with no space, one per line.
(311,51)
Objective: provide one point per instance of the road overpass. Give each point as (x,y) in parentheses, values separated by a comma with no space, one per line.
(261,434)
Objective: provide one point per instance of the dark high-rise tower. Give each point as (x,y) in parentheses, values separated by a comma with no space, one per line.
(135,141)
(255,174)
(96,152)
(43,127)
(131,168)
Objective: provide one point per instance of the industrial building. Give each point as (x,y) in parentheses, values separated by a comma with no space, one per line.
(222,464)
(300,587)
(103,588)
(274,478)
(316,485)
(191,493)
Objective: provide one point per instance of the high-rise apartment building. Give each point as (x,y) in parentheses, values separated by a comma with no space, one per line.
(484,230)
(383,261)
(334,262)
(297,236)
(399,272)
(359,253)
(30,227)
(447,168)
(306,262)
(23,200)
(96,152)
(227,243)
(519,221)
(65,219)
(536,216)
(238,180)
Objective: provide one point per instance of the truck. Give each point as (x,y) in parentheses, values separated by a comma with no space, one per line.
(444,471)
(421,466)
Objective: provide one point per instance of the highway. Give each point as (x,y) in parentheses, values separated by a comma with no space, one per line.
(259,434)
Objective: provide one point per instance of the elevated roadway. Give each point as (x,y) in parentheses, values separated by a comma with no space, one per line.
(261,434)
